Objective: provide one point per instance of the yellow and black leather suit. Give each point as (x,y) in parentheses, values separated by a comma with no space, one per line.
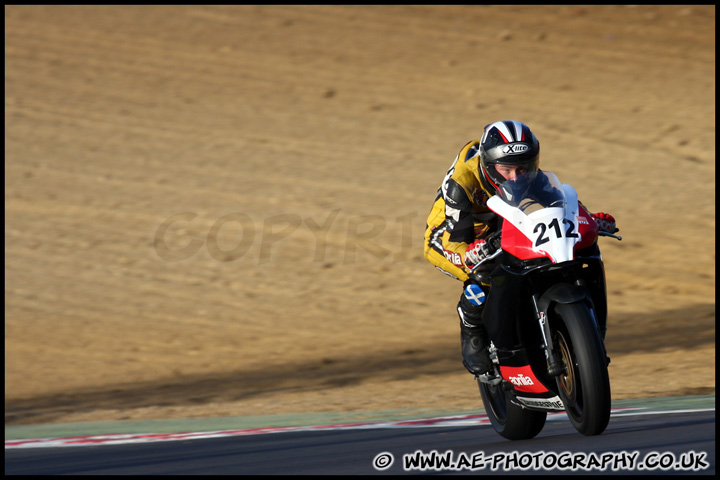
(459,214)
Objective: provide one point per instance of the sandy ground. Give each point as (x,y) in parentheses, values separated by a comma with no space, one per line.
(216,211)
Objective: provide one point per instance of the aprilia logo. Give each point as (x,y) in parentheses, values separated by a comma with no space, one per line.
(453,257)
(521,380)
(515,149)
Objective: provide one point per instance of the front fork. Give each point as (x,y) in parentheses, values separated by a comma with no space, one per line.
(555,364)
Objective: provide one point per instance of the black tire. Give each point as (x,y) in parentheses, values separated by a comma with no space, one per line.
(509,420)
(585,386)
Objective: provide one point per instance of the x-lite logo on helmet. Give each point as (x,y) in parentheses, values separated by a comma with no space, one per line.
(515,149)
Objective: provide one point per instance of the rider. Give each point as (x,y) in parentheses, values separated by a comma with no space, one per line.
(460,225)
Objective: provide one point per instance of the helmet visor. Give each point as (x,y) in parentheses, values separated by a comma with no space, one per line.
(514,181)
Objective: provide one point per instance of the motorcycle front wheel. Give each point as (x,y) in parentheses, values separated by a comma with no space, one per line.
(508,419)
(584,387)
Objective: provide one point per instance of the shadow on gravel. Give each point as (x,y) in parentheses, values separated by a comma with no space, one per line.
(683,329)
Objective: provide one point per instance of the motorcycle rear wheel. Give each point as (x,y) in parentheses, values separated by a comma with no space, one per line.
(508,419)
(585,386)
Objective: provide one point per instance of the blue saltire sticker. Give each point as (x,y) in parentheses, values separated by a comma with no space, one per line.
(475,294)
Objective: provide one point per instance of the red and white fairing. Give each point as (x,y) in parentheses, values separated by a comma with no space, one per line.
(554,232)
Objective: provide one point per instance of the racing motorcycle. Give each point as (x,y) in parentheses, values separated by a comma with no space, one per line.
(545,311)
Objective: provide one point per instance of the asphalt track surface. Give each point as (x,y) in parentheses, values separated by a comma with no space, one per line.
(660,440)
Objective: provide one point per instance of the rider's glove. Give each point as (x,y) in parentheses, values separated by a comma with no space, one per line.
(475,252)
(605,221)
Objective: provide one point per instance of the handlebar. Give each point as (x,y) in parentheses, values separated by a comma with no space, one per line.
(486,259)
(606,234)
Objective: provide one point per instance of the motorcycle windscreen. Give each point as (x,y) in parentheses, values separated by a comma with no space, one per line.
(543,222)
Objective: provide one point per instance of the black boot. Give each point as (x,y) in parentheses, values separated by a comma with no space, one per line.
(473,336)
(476,356)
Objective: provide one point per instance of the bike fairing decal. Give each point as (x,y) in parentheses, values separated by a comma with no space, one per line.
(520,246)
(523,379)
(553,403)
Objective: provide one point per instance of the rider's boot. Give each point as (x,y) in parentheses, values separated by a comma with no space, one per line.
(473,338)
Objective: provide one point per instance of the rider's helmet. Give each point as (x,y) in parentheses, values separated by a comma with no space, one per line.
(508,142)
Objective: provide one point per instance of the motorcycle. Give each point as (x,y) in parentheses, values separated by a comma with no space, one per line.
(546,279)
